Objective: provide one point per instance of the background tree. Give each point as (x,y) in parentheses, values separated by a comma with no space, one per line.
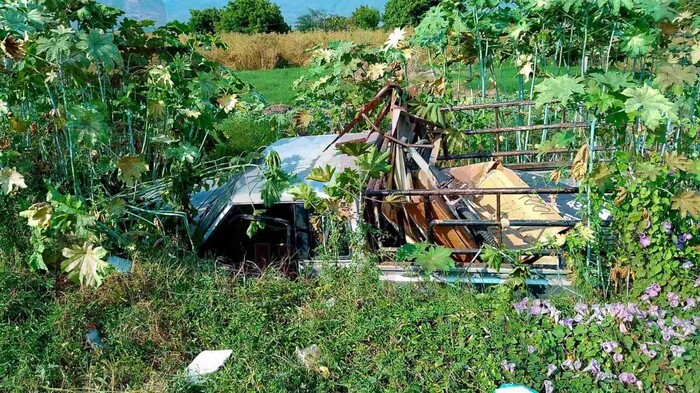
(365,17)
(204,21)
(316,19)
(252,16)
(401,13)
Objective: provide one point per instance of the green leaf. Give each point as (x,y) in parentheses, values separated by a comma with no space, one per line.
(85,264)
(374,163)
(131,168)
(184,152)
(648,171)
(650,105)
(305,193)
(435,258)
(100,49)
(323,175)
(560,88)
(408,252)
(637,44)
(687,201)
(88,123)
(354,149)
(36,259)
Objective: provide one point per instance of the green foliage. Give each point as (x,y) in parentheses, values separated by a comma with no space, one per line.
(242,134)
(204,21)
(365,17)
(250,17)
(431,258)
(316,19)
(402,13)
(560,88)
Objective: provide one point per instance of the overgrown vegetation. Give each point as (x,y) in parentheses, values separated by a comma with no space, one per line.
(117,124)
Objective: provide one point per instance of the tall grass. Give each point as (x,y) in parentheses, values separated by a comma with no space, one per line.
(268,51)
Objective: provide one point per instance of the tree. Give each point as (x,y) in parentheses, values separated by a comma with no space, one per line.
(204,21)
(316,19)
(365,17)
(251,16)
(401,13)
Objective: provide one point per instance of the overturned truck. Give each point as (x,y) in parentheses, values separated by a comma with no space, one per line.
(487,192)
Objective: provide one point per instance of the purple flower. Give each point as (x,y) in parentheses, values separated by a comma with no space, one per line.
(645,350)
(548,387)
(689,303)
(653,290)
(667,333)
(521,305)
(618,357)
(551,369)
(577,365)
(567,364)
(508,366)
(627,378)
(677,351)
(673,299)
(686,236)
(696,283)
(593,367)
(668,226)
(601,376)
(567,322)
(644,240)
(531,349)
(609,346)
(656,312)
(687,265)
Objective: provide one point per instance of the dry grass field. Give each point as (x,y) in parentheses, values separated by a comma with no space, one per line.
(268,51)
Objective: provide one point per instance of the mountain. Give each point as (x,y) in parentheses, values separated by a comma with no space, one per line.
(169,10)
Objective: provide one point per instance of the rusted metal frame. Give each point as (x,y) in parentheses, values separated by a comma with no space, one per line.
(540,166)
(498,217)
(545,252)
(407,145)
(532,127)
(476,191)
(513,153)
(488,105)
(497,223)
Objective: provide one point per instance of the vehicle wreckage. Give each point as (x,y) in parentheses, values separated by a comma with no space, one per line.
(502,197)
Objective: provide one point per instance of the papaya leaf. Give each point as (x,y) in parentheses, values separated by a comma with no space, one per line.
(84,264)
(374,163)
(579,168)
(11,180)
(650,105)
(323,175)
(131,168)
(685,202)
(678,162)
(648,171)
(675,77)
(354,149)
(408,252)
(435,258)
(38,215)
(560,88)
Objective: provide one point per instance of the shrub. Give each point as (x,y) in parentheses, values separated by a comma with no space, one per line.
(316,19)
(204,21)
(242,134)
(365,17)
(252,16)
(401,13)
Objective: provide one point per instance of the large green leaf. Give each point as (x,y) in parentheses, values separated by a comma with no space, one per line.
(374,163)
(676,77)
(324,174)
(435,258)
(99,48)
(650,105)
(88,124)
(687,201)
(560,88)
(84,264)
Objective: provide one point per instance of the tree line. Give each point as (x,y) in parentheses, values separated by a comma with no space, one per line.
(263,16)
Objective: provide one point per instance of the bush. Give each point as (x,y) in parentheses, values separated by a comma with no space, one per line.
(321,20)
(240,134)
(401,13)
(252,16)
(365,17)
(204,21)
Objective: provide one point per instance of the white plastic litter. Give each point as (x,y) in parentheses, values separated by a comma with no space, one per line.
(511,388)
(207,362)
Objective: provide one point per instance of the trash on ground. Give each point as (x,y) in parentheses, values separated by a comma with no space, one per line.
(207,362)
(92,337)
(119,264)
(308,356)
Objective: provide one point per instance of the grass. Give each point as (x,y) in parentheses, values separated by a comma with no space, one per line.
(275,85)
(372,336)
(268,51)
